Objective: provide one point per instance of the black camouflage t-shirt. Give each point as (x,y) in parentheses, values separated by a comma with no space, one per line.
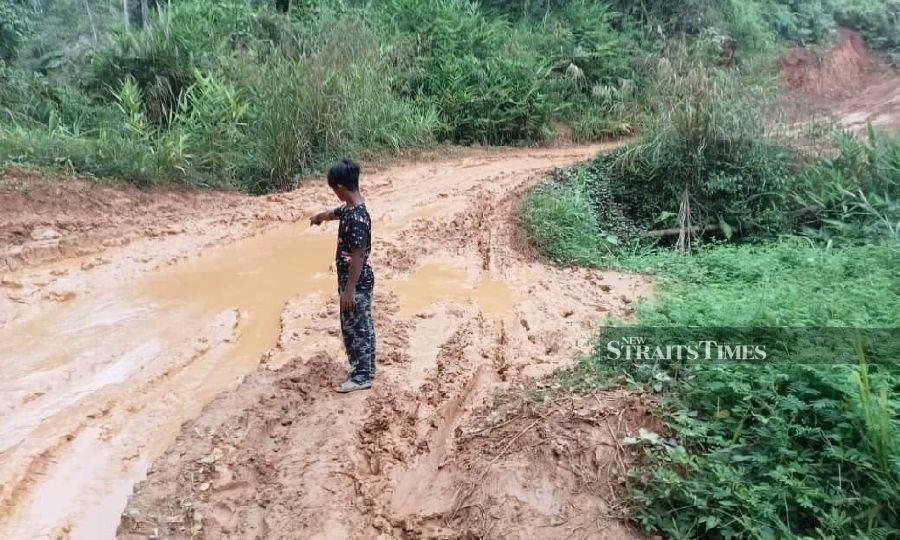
(354,231)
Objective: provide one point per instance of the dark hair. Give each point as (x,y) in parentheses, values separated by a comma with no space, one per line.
(345,173)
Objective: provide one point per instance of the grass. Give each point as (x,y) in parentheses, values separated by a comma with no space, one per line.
(769,450)
(334,78)
(777,449)
(805,444)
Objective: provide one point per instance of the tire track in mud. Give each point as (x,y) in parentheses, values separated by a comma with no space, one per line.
(462,310)
(283,457)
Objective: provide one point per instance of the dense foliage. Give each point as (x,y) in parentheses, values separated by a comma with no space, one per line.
(762,450)
(706,166)
(236,93)
(13,28)
(769,450)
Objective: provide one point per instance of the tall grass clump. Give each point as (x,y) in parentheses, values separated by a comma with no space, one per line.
(704,163)
(333,101)
(559,219)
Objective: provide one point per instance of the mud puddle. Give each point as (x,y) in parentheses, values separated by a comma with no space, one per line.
(109,380)
(449,281)
(100,386)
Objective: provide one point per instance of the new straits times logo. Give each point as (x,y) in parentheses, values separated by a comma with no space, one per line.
(638,348)
(799,345)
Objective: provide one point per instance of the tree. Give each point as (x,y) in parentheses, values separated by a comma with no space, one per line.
(13,27)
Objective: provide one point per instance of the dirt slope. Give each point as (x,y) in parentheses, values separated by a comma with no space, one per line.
(105,356)
(845,84)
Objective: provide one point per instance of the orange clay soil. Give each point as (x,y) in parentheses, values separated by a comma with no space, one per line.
(844,84)
(169,373)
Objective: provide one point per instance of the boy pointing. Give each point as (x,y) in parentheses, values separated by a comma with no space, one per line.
(356,280)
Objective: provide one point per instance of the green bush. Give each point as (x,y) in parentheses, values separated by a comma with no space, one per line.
(877,20)
(704,160)
(485,89)
(156,58)
(333,102)
(770,449)
(591,52)
(129,147)
(164,56)
(14,25)
(855,196)
(803,23)
(253,99)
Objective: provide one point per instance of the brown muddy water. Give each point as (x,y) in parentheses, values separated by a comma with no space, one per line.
(148,357)
(96,387)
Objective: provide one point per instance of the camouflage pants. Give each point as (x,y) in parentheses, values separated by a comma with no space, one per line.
(359,338)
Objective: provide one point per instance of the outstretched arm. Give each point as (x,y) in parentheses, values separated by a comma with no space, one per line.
(327,215)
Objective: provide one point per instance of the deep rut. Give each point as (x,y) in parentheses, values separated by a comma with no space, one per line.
(463,311)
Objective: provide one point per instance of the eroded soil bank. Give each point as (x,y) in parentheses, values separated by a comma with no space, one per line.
(845,85)
(106,356)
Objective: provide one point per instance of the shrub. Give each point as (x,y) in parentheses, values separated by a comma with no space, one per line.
(156,58)
(877,20)
(164,56)
(14,25)
(856,195)
(335,101)
(212,114)
(803,23)
(769,449)
(704,160)
(485,89)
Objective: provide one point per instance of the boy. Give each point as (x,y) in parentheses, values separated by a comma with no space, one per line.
(356,280)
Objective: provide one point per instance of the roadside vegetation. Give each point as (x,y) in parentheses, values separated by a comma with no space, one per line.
(240,94)
(744,230)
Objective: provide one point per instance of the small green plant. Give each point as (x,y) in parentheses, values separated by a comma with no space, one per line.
(560,221)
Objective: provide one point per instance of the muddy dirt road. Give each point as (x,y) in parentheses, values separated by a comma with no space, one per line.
(104,357)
